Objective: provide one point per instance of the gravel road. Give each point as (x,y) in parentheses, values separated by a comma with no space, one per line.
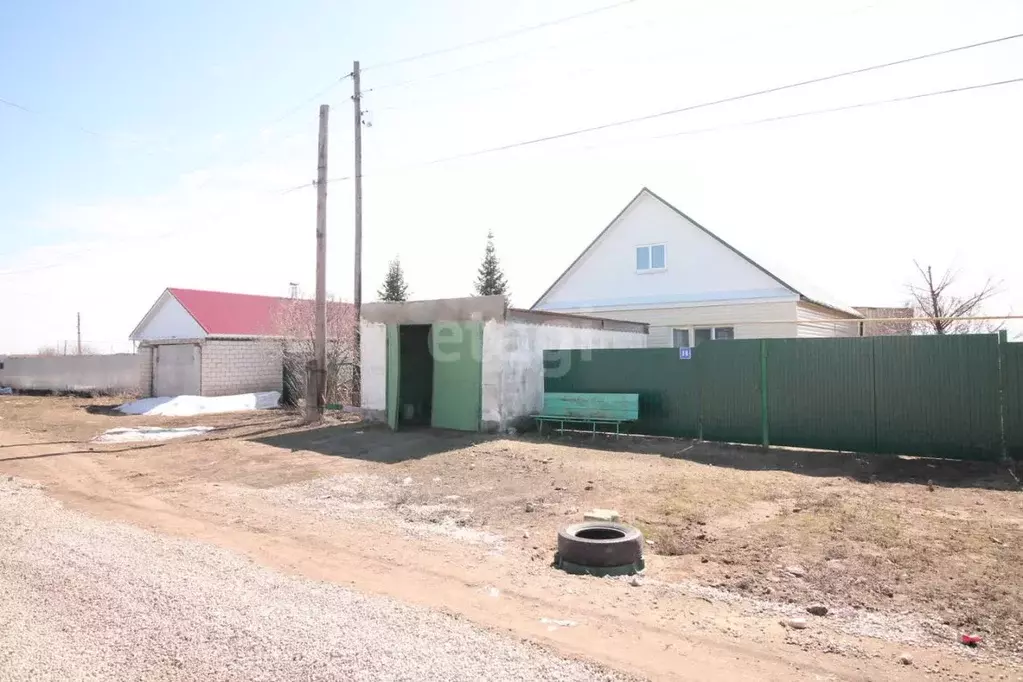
(82,599)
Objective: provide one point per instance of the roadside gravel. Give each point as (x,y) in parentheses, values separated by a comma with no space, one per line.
(83,599)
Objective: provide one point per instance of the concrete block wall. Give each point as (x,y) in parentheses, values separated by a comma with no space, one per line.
(374,366)
(233,366)
(110,374)
(513,363)
(492,371)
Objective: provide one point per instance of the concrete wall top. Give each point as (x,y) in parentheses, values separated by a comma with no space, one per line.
(483,309)
(469,309)
(575,321)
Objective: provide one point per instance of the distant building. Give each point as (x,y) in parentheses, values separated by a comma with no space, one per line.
(886,325)
(213,343)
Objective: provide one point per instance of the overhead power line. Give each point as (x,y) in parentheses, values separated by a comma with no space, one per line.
(246,158)
(697,131)
(167,235)
(501,36)
(308,100)
(847,107)
(617,30)
(725,100)
(15,105)
(66,124)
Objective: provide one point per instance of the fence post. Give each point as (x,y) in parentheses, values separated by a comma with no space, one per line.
(873,389)
(765,439)
(1003,338)
(699,395)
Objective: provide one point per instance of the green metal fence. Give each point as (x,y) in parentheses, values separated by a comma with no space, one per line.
(668,390)
(938,395)
(946,396)
(1012,386)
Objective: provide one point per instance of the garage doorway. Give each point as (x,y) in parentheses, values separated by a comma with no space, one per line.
(416,376)
(434,375)
(176,370)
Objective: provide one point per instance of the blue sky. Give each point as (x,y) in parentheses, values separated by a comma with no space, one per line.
(162,133)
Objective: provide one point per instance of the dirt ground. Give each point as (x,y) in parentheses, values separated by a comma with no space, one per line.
(906,554)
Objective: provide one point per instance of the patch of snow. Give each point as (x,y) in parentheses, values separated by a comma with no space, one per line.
(191,405)
(144,433)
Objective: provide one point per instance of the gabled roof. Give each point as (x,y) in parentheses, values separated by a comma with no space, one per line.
(230,314)
(817,300)
(224,314)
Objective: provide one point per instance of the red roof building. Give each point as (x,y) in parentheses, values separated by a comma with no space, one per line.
(211,343)
(198,314)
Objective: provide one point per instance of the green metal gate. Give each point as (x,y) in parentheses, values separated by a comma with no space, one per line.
(730,380)
(393,374)
(457,349)
(820,394)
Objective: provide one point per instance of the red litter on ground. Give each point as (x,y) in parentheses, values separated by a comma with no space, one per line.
(970,640)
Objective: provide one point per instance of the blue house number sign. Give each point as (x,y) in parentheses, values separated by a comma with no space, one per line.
(685,353)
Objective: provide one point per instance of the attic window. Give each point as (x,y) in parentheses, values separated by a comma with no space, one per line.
(650,258)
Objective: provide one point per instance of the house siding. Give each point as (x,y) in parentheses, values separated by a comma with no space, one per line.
(169,320)
(818,322)
(698,267)
(230,367)
(751,320)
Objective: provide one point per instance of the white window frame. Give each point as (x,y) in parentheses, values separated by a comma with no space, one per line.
(650,270)
(714,331)
(692,332)
(689,335)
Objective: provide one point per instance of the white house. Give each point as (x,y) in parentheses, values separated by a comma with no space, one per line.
(654,264)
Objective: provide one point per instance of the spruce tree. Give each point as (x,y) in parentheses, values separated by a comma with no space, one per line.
(395,288)
(490,280)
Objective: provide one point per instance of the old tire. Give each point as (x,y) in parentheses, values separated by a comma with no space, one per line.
(600,544)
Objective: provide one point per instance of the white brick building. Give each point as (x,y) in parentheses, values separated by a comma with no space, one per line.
(211,343)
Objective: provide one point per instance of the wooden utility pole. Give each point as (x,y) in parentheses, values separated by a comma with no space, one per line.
(321,264)
(79,333)
(357,351)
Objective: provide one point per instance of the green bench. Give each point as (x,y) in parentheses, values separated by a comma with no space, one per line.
(588,408)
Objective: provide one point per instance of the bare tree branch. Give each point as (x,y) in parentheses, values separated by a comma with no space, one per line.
(294,322)
(949,312)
